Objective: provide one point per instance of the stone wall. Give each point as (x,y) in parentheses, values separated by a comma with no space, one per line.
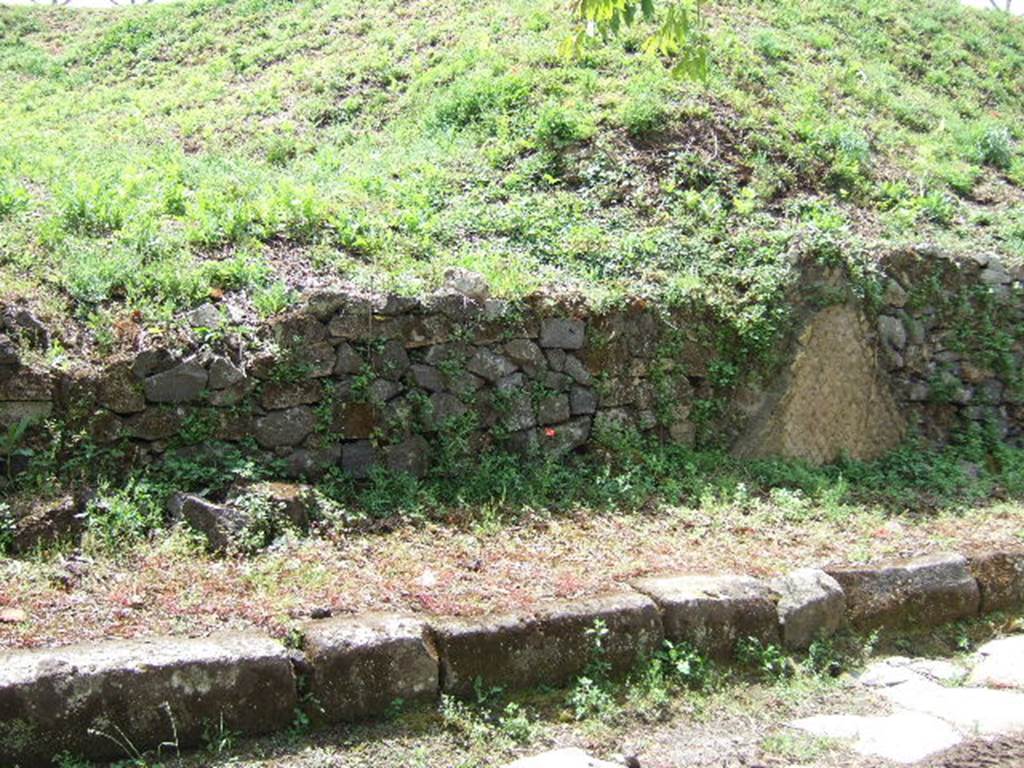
(925,345)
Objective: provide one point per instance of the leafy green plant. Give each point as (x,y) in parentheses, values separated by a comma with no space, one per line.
(765,658)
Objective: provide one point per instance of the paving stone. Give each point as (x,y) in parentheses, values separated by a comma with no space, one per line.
(51,700)
(904,737)
(811,605)
(361,665)
(714,612)
(562,758)
(971,710)
(1001,664)
(921,592)
(900,669)
(548,647)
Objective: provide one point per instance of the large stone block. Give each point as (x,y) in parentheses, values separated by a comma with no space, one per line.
(921,592)
(714,612)
(1000,577)
(361,665)
(550,647)
(181,384)
(811,605)
(150,692)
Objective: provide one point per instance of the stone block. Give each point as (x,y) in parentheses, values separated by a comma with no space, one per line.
(1000,577)
(181,384)
(152,691)
(549,647)
(562,333)
(921,592)
(361,665)
(285,428)
(713,613)
(811,605)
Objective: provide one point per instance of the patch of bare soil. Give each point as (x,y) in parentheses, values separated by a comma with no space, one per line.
(169,586)
(1007,752)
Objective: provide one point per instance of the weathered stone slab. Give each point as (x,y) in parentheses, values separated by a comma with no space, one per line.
(714,612)
(971,710)
(921,592)
(811,605)
(905,737)
(151,691)
(562,758)
(1001,664)
(550,647)
(1000,577)
(361,665)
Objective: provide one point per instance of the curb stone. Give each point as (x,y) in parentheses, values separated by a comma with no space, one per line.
(550,646)
(921,592)
(356,667)
(163,690)
(360,665)
(714,612)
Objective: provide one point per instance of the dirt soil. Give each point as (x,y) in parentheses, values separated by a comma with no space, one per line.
(169,586)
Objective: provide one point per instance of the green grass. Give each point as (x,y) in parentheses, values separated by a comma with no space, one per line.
(152,155)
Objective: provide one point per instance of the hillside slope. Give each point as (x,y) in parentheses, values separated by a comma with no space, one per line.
(254,148)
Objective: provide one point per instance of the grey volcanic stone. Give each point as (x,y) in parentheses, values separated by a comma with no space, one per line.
(921,592)
(222,525)
(567,437)
(275,396)
(714,612)
(811,605)
(562,333)
(411,456)
(118,390)
(892,332)
(391,362)
(550,647)
(288,427)
(582,401)
(358,458)
(150,361)
(348,361)
(361,665)
(155,424)
(473,285)
(204,316)
(180,384)
(527,355)
(10,360)
(1000,577)
(427,377)
(224,373)
(553,409)
(382,390)
(575,368)
(48,522)
(489,365)
(151,691)
(517,412)
(1001,664)
(444,406)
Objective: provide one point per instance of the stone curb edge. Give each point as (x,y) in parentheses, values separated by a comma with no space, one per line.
(94,700)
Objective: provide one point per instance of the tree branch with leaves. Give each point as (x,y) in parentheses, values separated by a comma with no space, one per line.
(678,36)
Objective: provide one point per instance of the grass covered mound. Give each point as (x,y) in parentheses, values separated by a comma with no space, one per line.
(153,157)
